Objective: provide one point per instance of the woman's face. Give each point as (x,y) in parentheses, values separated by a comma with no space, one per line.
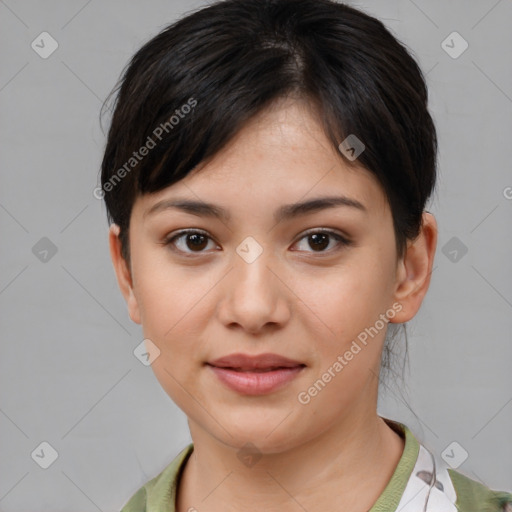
(254,281)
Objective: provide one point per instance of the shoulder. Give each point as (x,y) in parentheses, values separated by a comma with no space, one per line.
(137,503)
(450,490)
(472,496)
(158,494)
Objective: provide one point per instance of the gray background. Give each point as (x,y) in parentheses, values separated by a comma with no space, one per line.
(68,373)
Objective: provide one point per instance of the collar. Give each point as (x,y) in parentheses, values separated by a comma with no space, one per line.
(412,487)
(420,483)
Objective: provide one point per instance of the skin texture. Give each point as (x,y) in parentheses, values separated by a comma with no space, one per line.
(297,300)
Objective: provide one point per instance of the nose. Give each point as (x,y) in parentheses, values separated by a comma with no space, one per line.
(254,295)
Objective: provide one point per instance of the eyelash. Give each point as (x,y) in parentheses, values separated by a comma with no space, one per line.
(342,241)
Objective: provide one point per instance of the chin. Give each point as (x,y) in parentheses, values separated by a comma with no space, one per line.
(265,436)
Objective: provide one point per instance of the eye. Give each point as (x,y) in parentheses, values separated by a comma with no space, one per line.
(195,241)
(319,239)
(192,239)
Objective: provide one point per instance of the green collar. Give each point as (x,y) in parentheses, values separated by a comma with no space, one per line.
(159,494)
(392,494)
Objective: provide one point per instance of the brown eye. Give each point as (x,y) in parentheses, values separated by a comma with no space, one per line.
(189,241)
(319,240)
(196,241)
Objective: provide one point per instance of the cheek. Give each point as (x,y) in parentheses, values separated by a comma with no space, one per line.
(176,305)
(346,338)
(348,305)
(164,291)
(171,313)
(347,298)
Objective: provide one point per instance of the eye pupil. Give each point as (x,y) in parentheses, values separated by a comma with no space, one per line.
(197,243)
(319,237)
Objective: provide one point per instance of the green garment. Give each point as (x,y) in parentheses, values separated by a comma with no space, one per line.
(159,493)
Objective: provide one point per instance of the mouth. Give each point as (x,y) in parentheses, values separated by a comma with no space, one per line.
(255,375)
(255,363)
(258,370)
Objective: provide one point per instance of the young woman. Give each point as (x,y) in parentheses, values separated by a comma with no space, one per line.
(266,174)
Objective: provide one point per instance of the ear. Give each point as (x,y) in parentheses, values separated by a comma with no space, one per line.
(124,278)
(415,269)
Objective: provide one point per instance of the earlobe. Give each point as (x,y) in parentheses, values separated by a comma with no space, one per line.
(123,274)
(415,269)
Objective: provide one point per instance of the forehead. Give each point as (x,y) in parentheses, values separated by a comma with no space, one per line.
(280,156)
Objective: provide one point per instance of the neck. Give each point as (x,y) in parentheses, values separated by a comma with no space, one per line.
(346,468)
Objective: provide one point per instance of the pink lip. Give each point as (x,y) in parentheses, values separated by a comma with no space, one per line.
(256,382)
(255,375)
(260,361)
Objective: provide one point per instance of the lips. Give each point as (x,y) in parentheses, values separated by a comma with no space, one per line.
(258,363)
(255,375)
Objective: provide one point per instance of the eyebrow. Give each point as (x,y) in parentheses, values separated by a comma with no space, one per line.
(284,212)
